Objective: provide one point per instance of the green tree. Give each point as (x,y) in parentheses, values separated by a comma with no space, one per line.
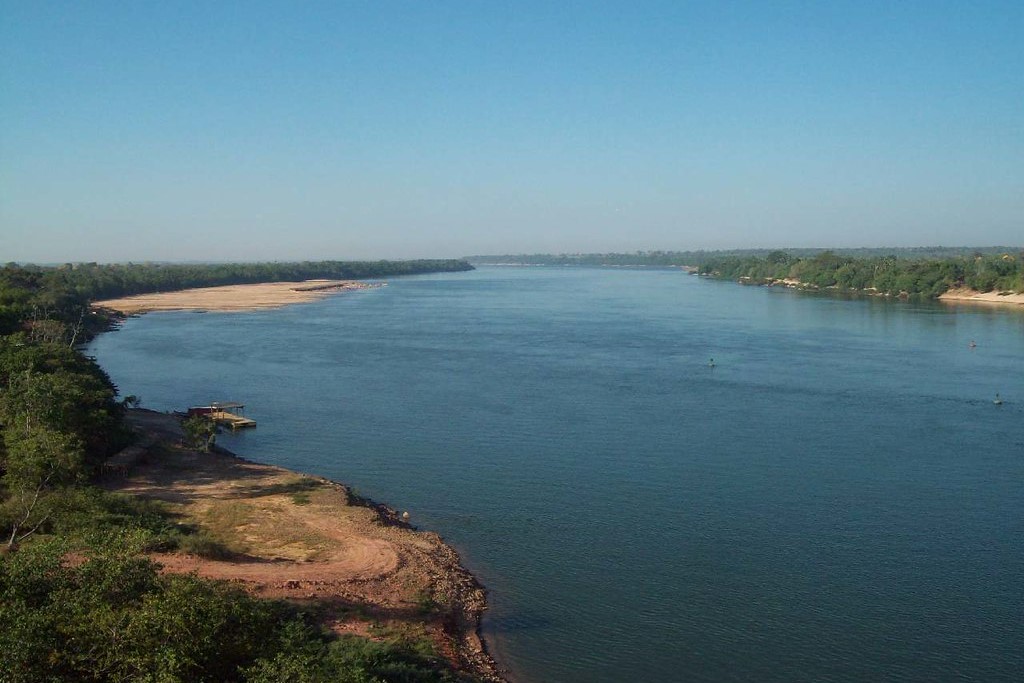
(38,463)
(42,452)
(200,432)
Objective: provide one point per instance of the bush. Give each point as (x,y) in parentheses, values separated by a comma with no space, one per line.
(106,614)
(202,544)
(200,432)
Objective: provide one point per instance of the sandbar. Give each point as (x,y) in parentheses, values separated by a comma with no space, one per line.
(233,297)
(973,296)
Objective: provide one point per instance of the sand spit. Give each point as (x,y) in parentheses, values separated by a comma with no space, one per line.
(973,296)
(233,297)
(311,541)
(956,295)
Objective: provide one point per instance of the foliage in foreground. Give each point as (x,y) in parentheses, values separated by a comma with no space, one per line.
(200,432)
(106,614)
(59,419)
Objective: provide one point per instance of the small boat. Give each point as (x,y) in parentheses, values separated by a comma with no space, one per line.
(711,362)
(998,400)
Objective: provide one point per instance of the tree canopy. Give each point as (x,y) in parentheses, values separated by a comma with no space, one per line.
(660,257)
(881,274)
(107,615)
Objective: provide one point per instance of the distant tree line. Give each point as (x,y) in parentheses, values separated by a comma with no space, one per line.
(63,292)
(927,278)
(919,271)
(106,281)
(698,257)
(79,601)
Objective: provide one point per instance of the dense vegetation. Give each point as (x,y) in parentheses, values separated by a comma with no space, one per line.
(78,599)
(94,281)
(926,278)
(696,258)
(60,419)
(31,297)
(107,615)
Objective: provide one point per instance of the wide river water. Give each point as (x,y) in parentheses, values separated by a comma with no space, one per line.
(837,499)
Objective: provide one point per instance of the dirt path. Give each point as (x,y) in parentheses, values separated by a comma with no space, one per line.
(291,536)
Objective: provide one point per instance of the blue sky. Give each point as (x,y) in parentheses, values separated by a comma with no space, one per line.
(304,130)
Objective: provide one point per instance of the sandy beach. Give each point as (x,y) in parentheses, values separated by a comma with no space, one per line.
(309,540)
(232,297)
(953,296)
(970,295)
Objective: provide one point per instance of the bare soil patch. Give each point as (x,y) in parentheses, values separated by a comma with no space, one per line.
(309,540)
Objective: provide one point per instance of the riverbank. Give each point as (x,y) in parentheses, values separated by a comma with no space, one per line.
(355,564)
(973,296)
(956,295)
(233,297)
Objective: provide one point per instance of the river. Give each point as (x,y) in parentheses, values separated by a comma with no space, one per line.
(835,498)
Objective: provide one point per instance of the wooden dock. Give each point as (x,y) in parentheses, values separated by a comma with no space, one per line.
(222,415)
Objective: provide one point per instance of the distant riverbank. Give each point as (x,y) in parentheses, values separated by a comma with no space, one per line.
(956,295)
(233,297)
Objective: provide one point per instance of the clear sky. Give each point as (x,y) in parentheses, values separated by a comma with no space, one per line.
(387,129)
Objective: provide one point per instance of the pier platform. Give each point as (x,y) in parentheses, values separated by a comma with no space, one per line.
(224,413)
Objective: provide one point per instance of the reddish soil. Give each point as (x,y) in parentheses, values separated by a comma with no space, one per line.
(306,539)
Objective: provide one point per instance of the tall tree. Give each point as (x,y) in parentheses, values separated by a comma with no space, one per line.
(42,453)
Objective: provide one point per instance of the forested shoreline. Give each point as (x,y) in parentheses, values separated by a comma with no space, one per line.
(697,257)
(883,275)
(79,597)
(108,281)
(30,294)
(925,272)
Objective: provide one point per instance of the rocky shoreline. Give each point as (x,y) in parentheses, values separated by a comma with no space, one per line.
(468,595)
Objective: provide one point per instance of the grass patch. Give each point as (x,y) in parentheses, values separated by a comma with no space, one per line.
(223,522)
(412,638)
(263,528)
(87,511)
(204,545)
(425,603)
